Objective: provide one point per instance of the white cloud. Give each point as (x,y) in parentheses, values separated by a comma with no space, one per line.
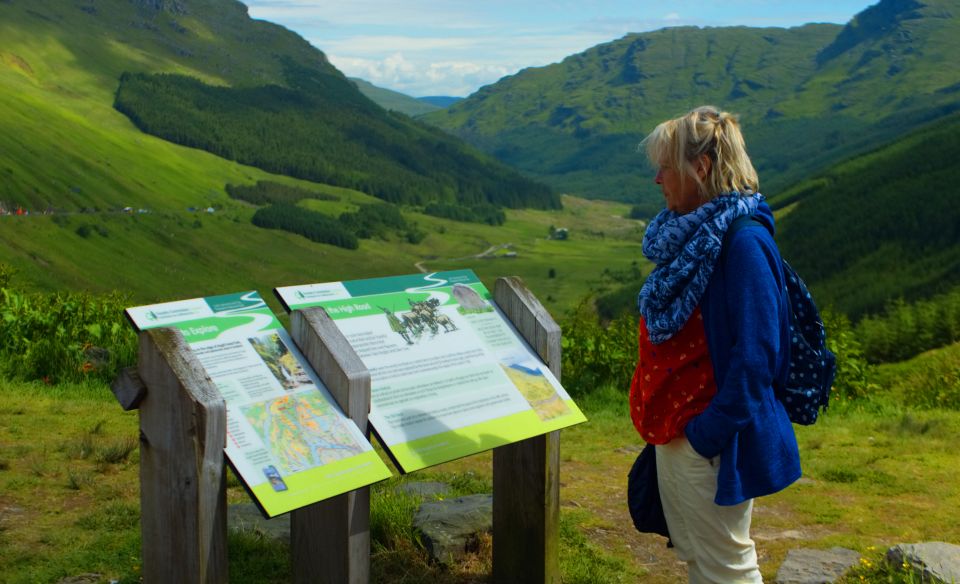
(368,45)
(452,47)
(452,65)
(457,78)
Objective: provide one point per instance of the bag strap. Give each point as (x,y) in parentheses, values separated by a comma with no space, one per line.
(739,223)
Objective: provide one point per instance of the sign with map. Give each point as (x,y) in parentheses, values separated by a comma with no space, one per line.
(450,375)
(287,439)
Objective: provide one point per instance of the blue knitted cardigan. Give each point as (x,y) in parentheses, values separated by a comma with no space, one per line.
(746,322)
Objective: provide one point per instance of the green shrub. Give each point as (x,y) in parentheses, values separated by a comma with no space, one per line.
(595,354)
(376,220)
(6,275)
(414,234)
(310,224)
(64,336)
(853,372)
(904,330)
(928,381)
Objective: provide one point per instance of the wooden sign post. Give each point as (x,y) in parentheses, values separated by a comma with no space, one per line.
(183,489)
(183,433)
(526,475)
(330,540)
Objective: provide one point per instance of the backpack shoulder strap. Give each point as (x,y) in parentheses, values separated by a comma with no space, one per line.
(738,224)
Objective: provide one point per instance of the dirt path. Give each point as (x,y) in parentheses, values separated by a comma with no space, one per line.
(484,254)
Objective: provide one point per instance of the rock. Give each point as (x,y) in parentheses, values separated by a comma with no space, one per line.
(806,566)
(450,526)
(424,489)
(933,561)
(247,517)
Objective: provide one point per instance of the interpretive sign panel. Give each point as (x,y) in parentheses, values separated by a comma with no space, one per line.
(450,376)
(287,439)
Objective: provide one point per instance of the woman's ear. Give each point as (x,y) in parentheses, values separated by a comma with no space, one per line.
(704,164)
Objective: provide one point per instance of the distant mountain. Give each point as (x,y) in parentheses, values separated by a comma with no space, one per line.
(441,101)
(394,100)
(808,97)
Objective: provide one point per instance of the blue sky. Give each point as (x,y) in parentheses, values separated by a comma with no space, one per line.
(453,47)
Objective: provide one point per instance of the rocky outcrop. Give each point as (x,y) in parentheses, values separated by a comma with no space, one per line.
(808,566)
(450,527)
(933,561)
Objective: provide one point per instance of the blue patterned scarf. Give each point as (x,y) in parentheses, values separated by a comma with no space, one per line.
(685,249)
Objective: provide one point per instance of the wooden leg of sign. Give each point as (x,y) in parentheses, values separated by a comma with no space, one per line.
(526,511)
(526,475)
(183,429)
(330,540)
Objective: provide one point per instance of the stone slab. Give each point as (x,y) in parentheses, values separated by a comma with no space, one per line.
(809,566)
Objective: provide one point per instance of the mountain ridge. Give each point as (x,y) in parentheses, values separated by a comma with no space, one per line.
(829,91)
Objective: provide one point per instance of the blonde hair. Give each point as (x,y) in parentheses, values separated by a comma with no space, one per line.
(679,143)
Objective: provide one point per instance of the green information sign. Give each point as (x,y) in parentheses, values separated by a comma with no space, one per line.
(287,439)
(450,375)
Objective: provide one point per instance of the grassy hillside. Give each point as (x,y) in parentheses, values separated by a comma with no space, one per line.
(171,254)
(64,147)
(882,225)
(808,97)
(247,77)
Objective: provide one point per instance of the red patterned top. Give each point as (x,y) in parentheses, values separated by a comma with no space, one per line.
(673,382)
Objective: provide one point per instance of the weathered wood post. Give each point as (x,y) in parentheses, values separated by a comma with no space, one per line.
(183,431)
(526,475)
(330,540)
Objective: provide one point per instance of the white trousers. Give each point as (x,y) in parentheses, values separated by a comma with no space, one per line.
(713,540)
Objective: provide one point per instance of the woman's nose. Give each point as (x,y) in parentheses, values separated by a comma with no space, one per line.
(659,178)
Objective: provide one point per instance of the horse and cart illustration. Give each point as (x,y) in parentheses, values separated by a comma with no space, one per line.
(422,316)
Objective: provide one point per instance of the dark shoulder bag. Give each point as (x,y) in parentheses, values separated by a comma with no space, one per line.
(643,494)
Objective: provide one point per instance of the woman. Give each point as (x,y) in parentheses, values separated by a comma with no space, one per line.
(713,341)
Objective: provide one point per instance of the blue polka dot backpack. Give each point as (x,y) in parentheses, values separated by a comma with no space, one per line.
(812,365)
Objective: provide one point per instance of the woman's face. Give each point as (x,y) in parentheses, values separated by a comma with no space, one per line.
(681,197)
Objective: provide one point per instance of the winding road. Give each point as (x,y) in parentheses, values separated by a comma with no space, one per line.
(486,253)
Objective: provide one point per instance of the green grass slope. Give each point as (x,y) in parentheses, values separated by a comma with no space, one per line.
(808,97)
(882,225)
(258,72)
(63,146)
